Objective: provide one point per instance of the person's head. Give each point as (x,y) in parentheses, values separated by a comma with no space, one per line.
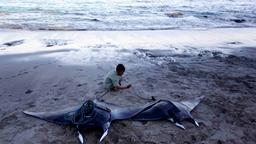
(120,69)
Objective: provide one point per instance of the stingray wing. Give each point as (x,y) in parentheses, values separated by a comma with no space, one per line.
(189,105)
(117,112)
(58,117)
(124,113)
(130,112)
(121,113)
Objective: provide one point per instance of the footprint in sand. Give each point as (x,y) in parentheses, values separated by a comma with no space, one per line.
(31,104)
(16,75)
(29,91)
(80,70)
(79,85)
(22,73)
(100,83)
(62,88)
(35,67)
(8,119)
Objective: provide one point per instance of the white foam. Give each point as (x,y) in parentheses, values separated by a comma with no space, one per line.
(82,46)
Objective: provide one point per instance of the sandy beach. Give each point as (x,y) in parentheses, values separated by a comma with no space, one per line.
(52,70)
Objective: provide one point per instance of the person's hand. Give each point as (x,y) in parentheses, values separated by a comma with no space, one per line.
(128,86)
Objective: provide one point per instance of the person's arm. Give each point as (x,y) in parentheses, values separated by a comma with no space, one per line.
(117,84)
(118,87)
(120,82)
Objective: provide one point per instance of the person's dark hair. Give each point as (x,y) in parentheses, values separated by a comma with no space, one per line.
(120,67)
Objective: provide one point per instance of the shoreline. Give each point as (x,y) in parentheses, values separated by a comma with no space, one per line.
(149,29)
(135,30)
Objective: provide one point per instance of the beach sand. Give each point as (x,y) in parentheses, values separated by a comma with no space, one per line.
(52,70)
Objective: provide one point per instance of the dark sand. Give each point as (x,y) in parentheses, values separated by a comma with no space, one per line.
(227,80)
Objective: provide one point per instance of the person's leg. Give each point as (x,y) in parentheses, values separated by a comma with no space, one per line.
(113,89)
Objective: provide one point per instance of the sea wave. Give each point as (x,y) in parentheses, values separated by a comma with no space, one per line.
(126,14)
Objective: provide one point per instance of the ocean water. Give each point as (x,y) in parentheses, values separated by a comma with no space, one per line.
(126,14)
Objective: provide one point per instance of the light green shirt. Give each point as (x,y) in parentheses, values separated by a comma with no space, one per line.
(111,80)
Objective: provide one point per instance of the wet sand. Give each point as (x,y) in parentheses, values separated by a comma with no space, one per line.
(47,71)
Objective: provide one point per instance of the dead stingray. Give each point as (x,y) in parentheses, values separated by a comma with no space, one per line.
(96,114)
